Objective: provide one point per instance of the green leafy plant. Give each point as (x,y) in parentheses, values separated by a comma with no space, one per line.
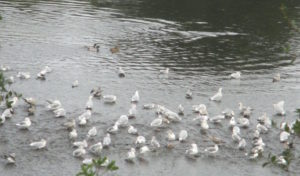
(5,94)
(273,160)
(96,167)
(296,127)
(298,112)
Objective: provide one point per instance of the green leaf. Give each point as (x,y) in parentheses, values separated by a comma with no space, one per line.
(287,128)
(265,164)
(273,159)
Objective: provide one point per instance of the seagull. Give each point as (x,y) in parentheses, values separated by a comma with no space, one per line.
(279,108)
(235,137)
(236,75)
(75,84)
(42,75)
(204,125)
(218,96)
(188,94)
(281,161)
(82,144)
(244,122)
(171,135)
(236,130)
(14,101)
(7,113)
(212,150)
(96,148)
(70,124)
(5,68)
(53,105)
(82,121)
(242,144)
(258,142)
(193,150)
(135,98)
(149,106)
(131,155)
(284,136)
(154,143)
(157,122)
(92,132)
(60,112)
(96,92)
(10,158)
(73,134)
(256,134)
(276,78)
(244,109)
(114,129)
(23,75)
(122,121)
(172,116)
(87,161)
(79,152)
(121,72)
(264,119)
(86,115)
(183,134)
(89,104)
(25,124)
(94,48)
(30,101)
(228,113)
(144,150)
(180,110)
(132,111)
(166,71)
(106,140)
(200,109)
(232,122)
(261,128)
(39,144)
(132,130)
(217,119)
(140,140)
(10,80)
(109,98)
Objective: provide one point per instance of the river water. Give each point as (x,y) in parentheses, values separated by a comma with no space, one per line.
(202,42)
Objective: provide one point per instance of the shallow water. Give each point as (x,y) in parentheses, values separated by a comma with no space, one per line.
(202,42)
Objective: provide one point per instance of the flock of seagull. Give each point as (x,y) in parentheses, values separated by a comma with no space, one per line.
(165,117)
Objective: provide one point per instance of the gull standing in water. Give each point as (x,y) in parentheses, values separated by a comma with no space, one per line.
(25,124)
(73,134)
(79,152)
(235,75)
(140,140)
(39,144)
(212,150)
(188,94)
(276,78)
(78,144)
(279,108)
(109,98)
(10,158)
(60,112)
(180,110)
(132,111)
(218,96)
(92,132)
(242,144)
(154,143)
(131,155)
(96,92)
(284,136)
(217,119)
(114,129)
(53,105)
(191,152)
(106,140)
(132,130)
(244,122)
(70,124)
(89,104)
(121,72)
(183,134)
(122,121)
(75,84)
(136,97)
(232,122)
(96,148)
(171,136)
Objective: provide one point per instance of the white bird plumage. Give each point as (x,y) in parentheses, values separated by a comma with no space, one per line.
(183,135)
(136,97)
(39,144)
(218,96)
(235,75)
(25,124)
(279,108)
